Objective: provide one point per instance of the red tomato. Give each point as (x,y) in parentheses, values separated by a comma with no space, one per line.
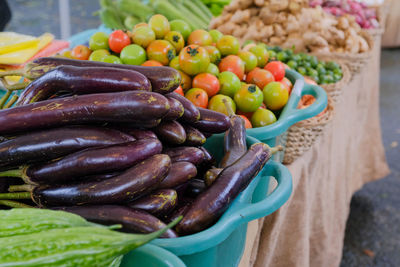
(186,81)
(179,90)
(259,77)
(287,82)
(247,122)
(246,114)
(198,97)
(277,69)
(81,52)
(152,63)
(233,64)
(207,82)
(118,40)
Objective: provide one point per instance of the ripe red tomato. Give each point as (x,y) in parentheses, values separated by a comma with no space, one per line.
(287,83)
(152,63)
(247,122)
(277,69)
(179,90)
(198,97)
(200,37)
(118,40)
(233,64)
(259,77)
(207,82)
(81,52)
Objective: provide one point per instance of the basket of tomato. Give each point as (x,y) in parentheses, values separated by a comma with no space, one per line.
(214,69)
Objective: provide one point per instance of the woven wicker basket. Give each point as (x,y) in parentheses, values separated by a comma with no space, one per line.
(302,135)
(381,12)
(335,90)
(355,62)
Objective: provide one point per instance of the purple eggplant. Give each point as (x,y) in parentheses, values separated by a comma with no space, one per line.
(84,80)
(170,132)
(195,188)
(180,173)
(114,107)
(191,113)
(212,121)
(162,79)
(176,110)
(193,136)
(138,133)
(212,203)
(92,161)
(158,203)
(193,155)
(211,175)
(132,221)
(42,146)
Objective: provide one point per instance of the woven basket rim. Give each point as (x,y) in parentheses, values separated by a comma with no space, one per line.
(319,120)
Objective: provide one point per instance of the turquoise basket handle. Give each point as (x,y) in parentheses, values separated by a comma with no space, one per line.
(269,203)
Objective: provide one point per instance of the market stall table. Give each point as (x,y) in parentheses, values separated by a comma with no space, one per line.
(309,229)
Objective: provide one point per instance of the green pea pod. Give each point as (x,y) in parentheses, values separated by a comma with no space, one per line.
(24,221)
(111,19)
(75,246)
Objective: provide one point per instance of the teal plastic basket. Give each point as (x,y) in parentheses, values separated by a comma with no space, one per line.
(151,256)
(223,243)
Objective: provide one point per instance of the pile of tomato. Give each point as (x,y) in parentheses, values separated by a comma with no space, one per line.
(213,66)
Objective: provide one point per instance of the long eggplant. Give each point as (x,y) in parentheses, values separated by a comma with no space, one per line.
(42,146)
(138,133)
(191,113)
(212,121)
(193,155)
(176,109)
(92,161)
(211,175)
(193,136)
(195,188)
(180,173)
(158,203)
(213,202)
(117,107)
(170,132)
(84,80)
(132,221)
(180,210)
(163,79)
(130,185)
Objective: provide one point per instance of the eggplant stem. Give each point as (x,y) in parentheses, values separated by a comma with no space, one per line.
(13,99)
(14,204)
(18,195)
(19,72)
(17,86)
(12,173)
(228,108)
(21,188)
(3,100)
(276,149)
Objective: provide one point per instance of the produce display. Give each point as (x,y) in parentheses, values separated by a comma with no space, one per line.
(365,16)
(39,237)
(125,14)
(291,24)
(114,144)
(216,6)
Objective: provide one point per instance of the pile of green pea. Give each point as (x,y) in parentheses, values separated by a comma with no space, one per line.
(320,71)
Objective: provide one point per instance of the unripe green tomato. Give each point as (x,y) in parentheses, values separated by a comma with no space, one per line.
(213,69)
(216,103)
(228,45)
(176,39)
(275,95)
(262,117)
(213,52)
(133,54)
(229,83)
(181,26)
(160,25)
(174,63)
(98,55)
(111,59)
(99,40)
(249,59)
(261,53)
(143,36)
(248,98)
(215,35)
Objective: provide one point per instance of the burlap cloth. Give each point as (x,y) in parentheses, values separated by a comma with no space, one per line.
(309,229)
(391,37)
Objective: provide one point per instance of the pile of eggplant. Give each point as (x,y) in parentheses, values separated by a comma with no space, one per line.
(114,144)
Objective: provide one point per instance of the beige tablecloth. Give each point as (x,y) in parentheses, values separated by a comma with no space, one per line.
(309,229)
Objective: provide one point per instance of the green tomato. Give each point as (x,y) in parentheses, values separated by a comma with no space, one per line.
(275,95)
(176,39)
(314,61)
(160,25)
(174,63)
(261,54)
(338,71)
(111,59)
(229,83)
(262,117)
(247,42)
(321,69)
(98,55)
(213,52)
(281,56)
(213,69)
(302,70)
(249,59)
(277,49)
(296,58)
(327,79)
(331,65)
(248,98)
(143,36)
(181,26)
(312,72)
(99,40)
(306,64)
(289,53)
(271,55)
(133,54)
(215,35)
(337,77)
(228,45)
(292,64)
(216,103)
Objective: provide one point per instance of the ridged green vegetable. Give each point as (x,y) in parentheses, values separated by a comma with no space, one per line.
(111,19)
(75,246)
(203,7)
(24,221)
(196,11)
(189,15)
(136,9)
(170,12)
